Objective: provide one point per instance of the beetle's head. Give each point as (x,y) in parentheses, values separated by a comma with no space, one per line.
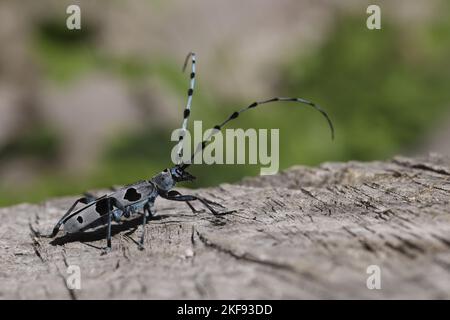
(179,174)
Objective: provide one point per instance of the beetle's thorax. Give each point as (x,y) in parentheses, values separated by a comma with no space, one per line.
(164,180)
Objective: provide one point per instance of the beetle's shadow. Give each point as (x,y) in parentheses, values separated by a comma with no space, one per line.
(130,225)
(100,233)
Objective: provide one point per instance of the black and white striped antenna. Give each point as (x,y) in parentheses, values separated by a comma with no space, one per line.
(236,114)
(187,110)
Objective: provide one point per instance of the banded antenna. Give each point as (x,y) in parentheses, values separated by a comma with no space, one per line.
(236,114)
(187,110)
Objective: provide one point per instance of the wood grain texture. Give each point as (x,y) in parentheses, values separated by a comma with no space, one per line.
(304,233)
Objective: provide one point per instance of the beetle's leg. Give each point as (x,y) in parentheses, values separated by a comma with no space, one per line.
(112,202)
(193,209)
(176,193)
(88,198)
(108,232)
(144,222)
(205,202)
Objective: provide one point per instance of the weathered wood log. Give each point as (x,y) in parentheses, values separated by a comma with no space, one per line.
(304,233)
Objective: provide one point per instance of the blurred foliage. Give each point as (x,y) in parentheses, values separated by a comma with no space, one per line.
(39,141)
(383,90)
(64,54)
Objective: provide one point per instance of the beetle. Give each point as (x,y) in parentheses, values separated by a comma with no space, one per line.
(139,198)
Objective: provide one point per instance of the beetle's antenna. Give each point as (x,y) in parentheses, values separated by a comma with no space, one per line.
(187,110)
(235,114)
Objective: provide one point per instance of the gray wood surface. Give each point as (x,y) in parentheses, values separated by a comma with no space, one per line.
(304,233)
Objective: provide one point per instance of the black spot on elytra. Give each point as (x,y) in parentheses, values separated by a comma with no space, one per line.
(80,219)
(132,195)
(102,206)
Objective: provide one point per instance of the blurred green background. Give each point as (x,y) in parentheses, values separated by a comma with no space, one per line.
(88,109)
